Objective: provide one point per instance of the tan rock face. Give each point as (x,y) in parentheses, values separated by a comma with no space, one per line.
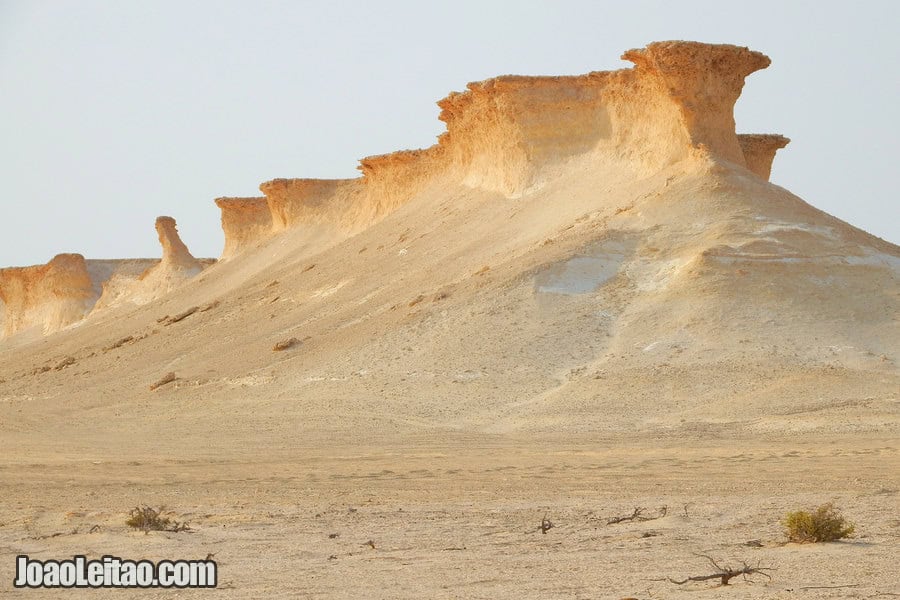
(175,253)
(309,201)
(510,134)
(704,81)
(245,221)
(48,297)
(177,266)
(759,151)
(501,132)
(391,180)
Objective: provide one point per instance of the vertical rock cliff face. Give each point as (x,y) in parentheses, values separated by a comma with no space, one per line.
(511,134)
(503,131)
(294,202)
(703,81)
(245,221)
(392,180)
(759,151)
(48,297)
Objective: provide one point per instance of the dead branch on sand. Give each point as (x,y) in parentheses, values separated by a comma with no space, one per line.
(638,516)
(546,525)
(726,573)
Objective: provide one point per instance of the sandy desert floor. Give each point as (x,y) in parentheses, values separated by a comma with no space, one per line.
(459,517)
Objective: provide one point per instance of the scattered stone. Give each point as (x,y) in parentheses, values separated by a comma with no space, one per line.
(180,316)
(167,378)
(120,343)
(66,362)
(285,344)
(210,306)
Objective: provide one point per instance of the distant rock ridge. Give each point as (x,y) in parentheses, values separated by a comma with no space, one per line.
(506,135)
(50,297)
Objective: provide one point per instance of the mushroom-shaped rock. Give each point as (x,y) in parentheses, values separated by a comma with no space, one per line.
(759,151)
(705,81)
(175,253)
(177,266)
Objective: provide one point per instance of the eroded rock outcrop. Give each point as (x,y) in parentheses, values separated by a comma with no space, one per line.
(704,81)
(502,131)
(310,201)
(177,266)
(245,221)
(69,288)
(175,254)
(48,297)
(759,151)
(391,180)
(509,134)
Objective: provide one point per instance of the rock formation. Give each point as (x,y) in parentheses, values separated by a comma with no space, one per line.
(48,297)
(177,266)
(175,254)
(591,253)
(703,81)
(245,221)
(309,201)
(509,134)
(759,151)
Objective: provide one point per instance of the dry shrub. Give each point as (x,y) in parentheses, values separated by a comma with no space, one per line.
(825,524)
(147,519)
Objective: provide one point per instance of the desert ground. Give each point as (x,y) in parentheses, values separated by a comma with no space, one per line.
(459,516)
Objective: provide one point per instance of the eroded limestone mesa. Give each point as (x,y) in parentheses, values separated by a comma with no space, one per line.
(509,135)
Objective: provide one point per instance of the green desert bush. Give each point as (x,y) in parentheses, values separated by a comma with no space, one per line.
(825,524)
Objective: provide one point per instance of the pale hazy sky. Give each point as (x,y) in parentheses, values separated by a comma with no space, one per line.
(114,112)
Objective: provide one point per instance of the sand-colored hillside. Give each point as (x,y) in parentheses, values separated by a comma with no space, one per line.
(587,296)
